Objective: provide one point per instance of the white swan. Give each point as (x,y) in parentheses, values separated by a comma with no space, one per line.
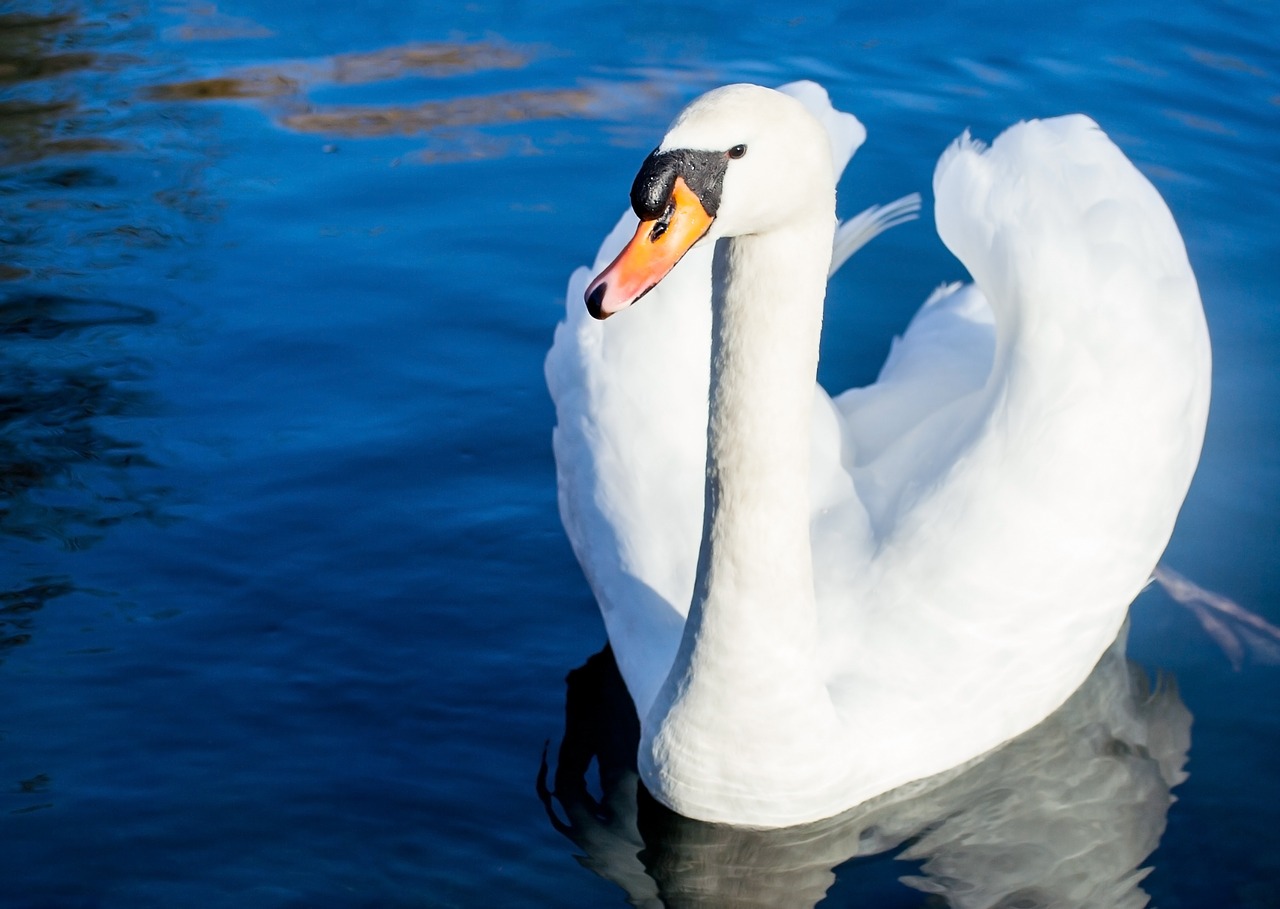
(883,585)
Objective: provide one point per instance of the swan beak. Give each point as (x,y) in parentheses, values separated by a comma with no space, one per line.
(655,249)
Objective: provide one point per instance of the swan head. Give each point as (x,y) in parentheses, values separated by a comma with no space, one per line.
(739,160)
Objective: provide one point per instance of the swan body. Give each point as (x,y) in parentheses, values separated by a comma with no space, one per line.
(813,600)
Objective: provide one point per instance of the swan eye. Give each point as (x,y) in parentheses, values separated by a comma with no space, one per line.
(737,151)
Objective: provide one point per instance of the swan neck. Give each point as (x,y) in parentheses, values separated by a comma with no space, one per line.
(747,669)
(755,562)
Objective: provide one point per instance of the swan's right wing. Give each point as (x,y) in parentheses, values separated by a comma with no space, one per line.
(1021,494)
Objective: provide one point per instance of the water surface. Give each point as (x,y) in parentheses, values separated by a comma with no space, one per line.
(286,608)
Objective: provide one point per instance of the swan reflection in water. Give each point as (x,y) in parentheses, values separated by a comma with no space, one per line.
(1061,816)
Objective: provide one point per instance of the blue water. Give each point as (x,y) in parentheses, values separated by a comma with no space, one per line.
(286,609)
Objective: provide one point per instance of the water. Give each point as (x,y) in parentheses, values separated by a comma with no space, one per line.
(286,608)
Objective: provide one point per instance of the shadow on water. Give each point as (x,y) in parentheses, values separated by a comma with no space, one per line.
(17,608)
(54,455)
(1063,815)
(68,225)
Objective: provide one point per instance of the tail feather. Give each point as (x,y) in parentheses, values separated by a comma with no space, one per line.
(864,227)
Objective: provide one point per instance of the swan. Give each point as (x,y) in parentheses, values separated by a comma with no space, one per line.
(814,600)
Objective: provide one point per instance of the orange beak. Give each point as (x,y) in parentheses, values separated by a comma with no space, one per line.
(654,250)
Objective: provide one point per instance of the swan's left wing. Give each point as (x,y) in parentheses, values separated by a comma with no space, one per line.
(630,446)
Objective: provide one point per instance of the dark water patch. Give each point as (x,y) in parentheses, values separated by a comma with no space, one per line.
(46,316)
(30,808)
(226,88)
(16,114)
(26,53)
(65,475)
(37,783)
(32,131)
(34,179)
(18,610)
(137,236)
(42,67)
(12,24)
(65,467)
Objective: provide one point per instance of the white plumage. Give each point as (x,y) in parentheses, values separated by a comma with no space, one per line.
(900,578)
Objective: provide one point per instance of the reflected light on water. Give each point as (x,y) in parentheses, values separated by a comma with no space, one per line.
(205,22)
(297,76)
(510,107)
(285,88)
(31,62)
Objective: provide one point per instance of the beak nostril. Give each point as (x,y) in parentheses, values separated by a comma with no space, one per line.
(595,301)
